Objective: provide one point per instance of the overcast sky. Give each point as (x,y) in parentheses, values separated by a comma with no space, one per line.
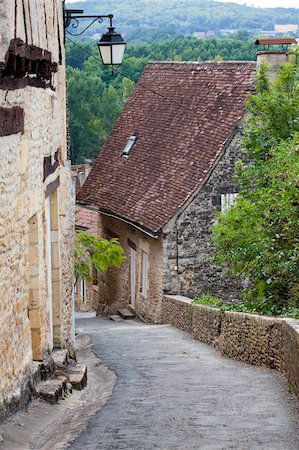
(261,3)
(268,3)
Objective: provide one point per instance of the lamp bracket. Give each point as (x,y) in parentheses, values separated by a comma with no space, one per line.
(73,16)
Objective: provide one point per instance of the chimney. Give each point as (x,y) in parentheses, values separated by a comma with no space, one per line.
(274,53)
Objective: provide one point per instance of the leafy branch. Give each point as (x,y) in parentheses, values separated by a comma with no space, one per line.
(94,252)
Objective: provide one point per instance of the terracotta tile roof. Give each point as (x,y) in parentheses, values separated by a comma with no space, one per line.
(275,41)
(181,132)
(87,219)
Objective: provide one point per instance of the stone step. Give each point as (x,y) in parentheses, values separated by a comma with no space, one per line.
(60,357)
(43,370)
(126,314)
(116,318)
(52,390)
(36,373)
(77,375)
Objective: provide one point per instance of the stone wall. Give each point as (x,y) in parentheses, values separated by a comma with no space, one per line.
(36,221)
(114,287)
(258,340)
(253,339)
(89,301)
(66,227)
(291,350)
(188,267)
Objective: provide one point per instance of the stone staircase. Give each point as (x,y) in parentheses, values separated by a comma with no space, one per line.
(56,377)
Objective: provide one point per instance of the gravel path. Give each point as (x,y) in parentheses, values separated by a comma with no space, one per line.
(176,393)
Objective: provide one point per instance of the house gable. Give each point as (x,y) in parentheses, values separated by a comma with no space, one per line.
(188,264)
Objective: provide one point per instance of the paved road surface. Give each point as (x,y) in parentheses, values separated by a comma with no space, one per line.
(176,393)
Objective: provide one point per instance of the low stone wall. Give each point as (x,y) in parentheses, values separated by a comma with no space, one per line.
(255,339)
(206,323)
(291,353)
(177,311)
(259,340)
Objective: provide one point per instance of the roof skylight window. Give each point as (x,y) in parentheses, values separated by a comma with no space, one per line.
(129,145)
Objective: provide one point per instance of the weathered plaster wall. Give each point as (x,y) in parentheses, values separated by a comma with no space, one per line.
(25,331)
(188,267)
(114,288)
(258,340)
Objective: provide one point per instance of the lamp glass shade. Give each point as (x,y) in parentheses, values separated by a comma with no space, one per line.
(112,47)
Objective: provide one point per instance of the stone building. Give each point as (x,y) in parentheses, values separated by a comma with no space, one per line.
(85,291)
(36,221)
(165,171)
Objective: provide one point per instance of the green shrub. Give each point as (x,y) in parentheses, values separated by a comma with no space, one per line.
(207,300)
(258,238)
(249,308)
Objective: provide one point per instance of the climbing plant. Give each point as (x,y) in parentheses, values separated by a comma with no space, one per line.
(259,236)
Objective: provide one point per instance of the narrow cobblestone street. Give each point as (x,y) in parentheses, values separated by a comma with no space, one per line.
(176,393)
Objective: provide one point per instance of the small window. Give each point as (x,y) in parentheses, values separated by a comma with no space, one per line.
(129,145)
(227,200)
(83,289)
(144,273)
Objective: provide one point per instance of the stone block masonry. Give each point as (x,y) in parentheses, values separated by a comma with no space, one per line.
(258,340)
(254,339)
(37,215)
(291,351)
(188,250)
(116,286)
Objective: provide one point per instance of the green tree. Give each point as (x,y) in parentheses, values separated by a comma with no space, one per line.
(96,97)
(259,236)
(94,252)
(85,92)
(159,20)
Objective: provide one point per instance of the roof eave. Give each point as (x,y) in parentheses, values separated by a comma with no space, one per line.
(151,233)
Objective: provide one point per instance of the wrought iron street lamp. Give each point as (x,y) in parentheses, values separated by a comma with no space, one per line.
(111,45)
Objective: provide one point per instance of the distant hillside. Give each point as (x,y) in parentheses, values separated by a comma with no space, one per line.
(147,20)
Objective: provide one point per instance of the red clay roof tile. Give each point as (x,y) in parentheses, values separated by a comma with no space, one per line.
(276,41)
(87,219)
(181,133)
